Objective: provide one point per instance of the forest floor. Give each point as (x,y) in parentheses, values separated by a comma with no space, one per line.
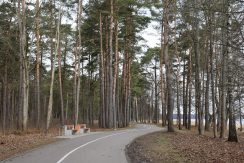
(18,142)
(185,146)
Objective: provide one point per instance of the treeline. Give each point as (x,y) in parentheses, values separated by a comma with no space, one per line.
(80,62)
(201,62)
(206,39)
(74,62)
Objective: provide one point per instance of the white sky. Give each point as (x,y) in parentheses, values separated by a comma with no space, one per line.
(151,35)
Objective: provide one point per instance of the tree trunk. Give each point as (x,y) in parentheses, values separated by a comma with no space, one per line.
(232,121)
(5,86)
(38,60)
(77,65)
(13,113)
(240,111)
(110,82)
(223,67)
(75,86)
(168,64)
(178,106)
(189,107)
(24,72)
(178,76)
(66,108)
(212,73)
(197,71)
(129,88)
(162,80)
(60,85)
(184,95)
(156,96)
(89,93)
(189,83)
(101,74)
(116,68)
(207,125)
(50,101)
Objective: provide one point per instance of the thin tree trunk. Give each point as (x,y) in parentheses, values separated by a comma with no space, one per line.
(13,113)
(106,72)
(207,125)
(240,112)
(60,85)
(178,107)
(129,89)
(24,76)
(50,101)
(232,122)
(156,96)
(5,85)
(116,68)
(89,92)
(184,95)
(20,101)
(101,72)
(8,111)
(189,107)
(217,92)
(168,64)
(38,60)
(163,106)
(178,76)
(240,107)
(126,75)
(110,82)
(136,107)
(75,86)
(189,83)
(197,71)
(212,74)
(77,65)
(223,68)
(66,108)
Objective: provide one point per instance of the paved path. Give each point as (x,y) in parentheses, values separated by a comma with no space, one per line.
(102,147)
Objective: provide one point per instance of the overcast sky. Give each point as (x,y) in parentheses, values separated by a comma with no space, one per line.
(151,35)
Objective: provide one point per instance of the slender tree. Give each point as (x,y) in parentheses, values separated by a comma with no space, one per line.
(224,32)
(38,61)
(111,100)
(197,69)
(24,65)
(168,65)
(50,101)
(77,64)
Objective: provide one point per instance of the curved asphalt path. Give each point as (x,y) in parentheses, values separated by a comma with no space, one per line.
(102,147)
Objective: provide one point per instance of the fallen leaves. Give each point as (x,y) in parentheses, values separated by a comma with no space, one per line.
(12,144)
(185,146)
(203,148)
(153,148)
